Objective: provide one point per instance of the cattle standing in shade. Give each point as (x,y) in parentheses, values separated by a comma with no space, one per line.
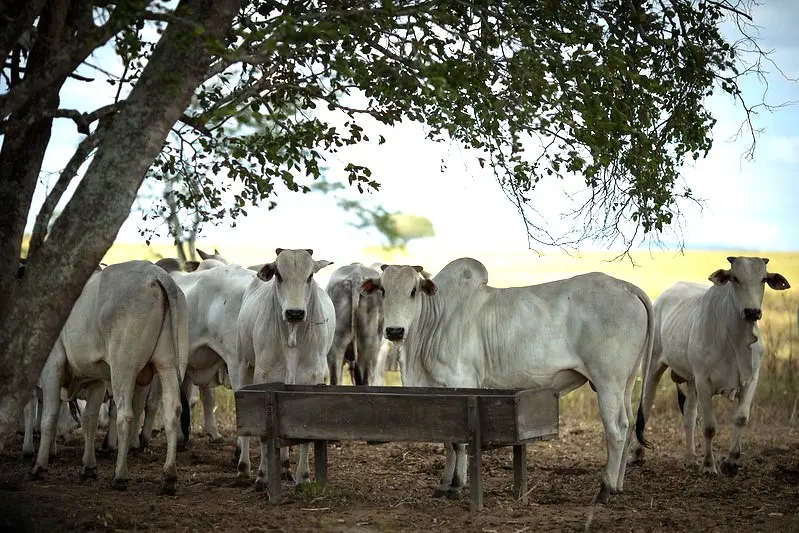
(285,330)
(457,331)
(214,299)
(128,325)
(709,338)
(359,326)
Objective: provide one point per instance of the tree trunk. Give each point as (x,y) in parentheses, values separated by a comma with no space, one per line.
(89,224)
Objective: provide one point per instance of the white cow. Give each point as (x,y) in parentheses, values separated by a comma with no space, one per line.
(213,294)
(709,338)
(285,330)
(457,331)
(359,327)
(128,324)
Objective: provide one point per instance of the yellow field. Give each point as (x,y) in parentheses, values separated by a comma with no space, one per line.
(653,271)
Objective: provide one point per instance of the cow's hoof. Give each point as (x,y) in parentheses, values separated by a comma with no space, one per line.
(260,485)
(606,495)
(28,454)
(220,440)
(729,469)
(453,494)
(37,474)
(168,486)
(710,470)
(144,442)
(440,492)
(689,461)
(288,476)
(119,484)
(636,456)
(88,472)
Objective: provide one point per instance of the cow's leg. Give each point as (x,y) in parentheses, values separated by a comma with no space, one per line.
(150,409)
(628,412)
(610,397)
(241,374)
(122,383)
(648,391)
(170,401)
(208,399)
(138,406)
(95,393)
(459,473)
(51,406)
(29,414)
(731,463)
(335,358)
(689,424)
(111,440)
(303,469)
(704,396)
(443,488)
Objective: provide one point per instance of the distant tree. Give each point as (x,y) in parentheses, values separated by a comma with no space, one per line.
(607,93)
(397,229)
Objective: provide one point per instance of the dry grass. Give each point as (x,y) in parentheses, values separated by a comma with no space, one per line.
(655,271)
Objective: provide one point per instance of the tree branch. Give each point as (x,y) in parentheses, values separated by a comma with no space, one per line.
(86,146)
(65,61)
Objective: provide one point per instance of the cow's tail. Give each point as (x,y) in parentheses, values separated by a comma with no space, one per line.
(171,291)
(646,362)
(355,300)
(74,410)
(680,399)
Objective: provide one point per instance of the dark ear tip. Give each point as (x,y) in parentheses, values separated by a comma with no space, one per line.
(383,267)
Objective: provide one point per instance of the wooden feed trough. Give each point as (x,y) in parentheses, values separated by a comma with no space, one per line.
(482,418)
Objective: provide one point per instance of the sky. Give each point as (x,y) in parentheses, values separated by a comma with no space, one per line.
(747,204)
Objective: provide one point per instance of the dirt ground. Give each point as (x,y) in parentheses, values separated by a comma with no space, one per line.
(388,488)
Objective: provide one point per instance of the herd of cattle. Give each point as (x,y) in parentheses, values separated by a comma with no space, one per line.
(145,335)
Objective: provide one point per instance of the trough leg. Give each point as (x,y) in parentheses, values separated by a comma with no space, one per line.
(273,470)
(520,472)
(475,456)
(320,461)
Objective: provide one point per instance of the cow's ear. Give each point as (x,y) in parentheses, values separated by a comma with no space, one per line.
(320,264)
(310,251)
(720,276)
(267,272)
(765,260)
(428,287)
(369,286)
(418,268)
(190,266)
(383,267)
(278,250)
(777,281)
(731,259)
(203,255)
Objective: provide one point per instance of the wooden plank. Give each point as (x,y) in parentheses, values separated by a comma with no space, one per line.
(520,472)
(311,412)
(373,417)
(537,412)
(320,461)
(475,455)
(272,450)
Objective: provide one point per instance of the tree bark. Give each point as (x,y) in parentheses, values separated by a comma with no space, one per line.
(91,220)
(23,149)
(17,17)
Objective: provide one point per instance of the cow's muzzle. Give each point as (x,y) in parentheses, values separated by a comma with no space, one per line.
(295,315)
(752,315)
(395,334)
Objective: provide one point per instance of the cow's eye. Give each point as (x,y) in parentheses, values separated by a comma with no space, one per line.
(310,278)
(413,292)
(764,280)
(734,279)
(382,291)
(278,277)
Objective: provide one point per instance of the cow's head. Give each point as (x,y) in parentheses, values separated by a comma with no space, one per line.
(293,272)
(401,287)
(747,277)
(216,256)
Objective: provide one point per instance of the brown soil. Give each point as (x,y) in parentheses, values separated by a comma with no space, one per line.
(388,488)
